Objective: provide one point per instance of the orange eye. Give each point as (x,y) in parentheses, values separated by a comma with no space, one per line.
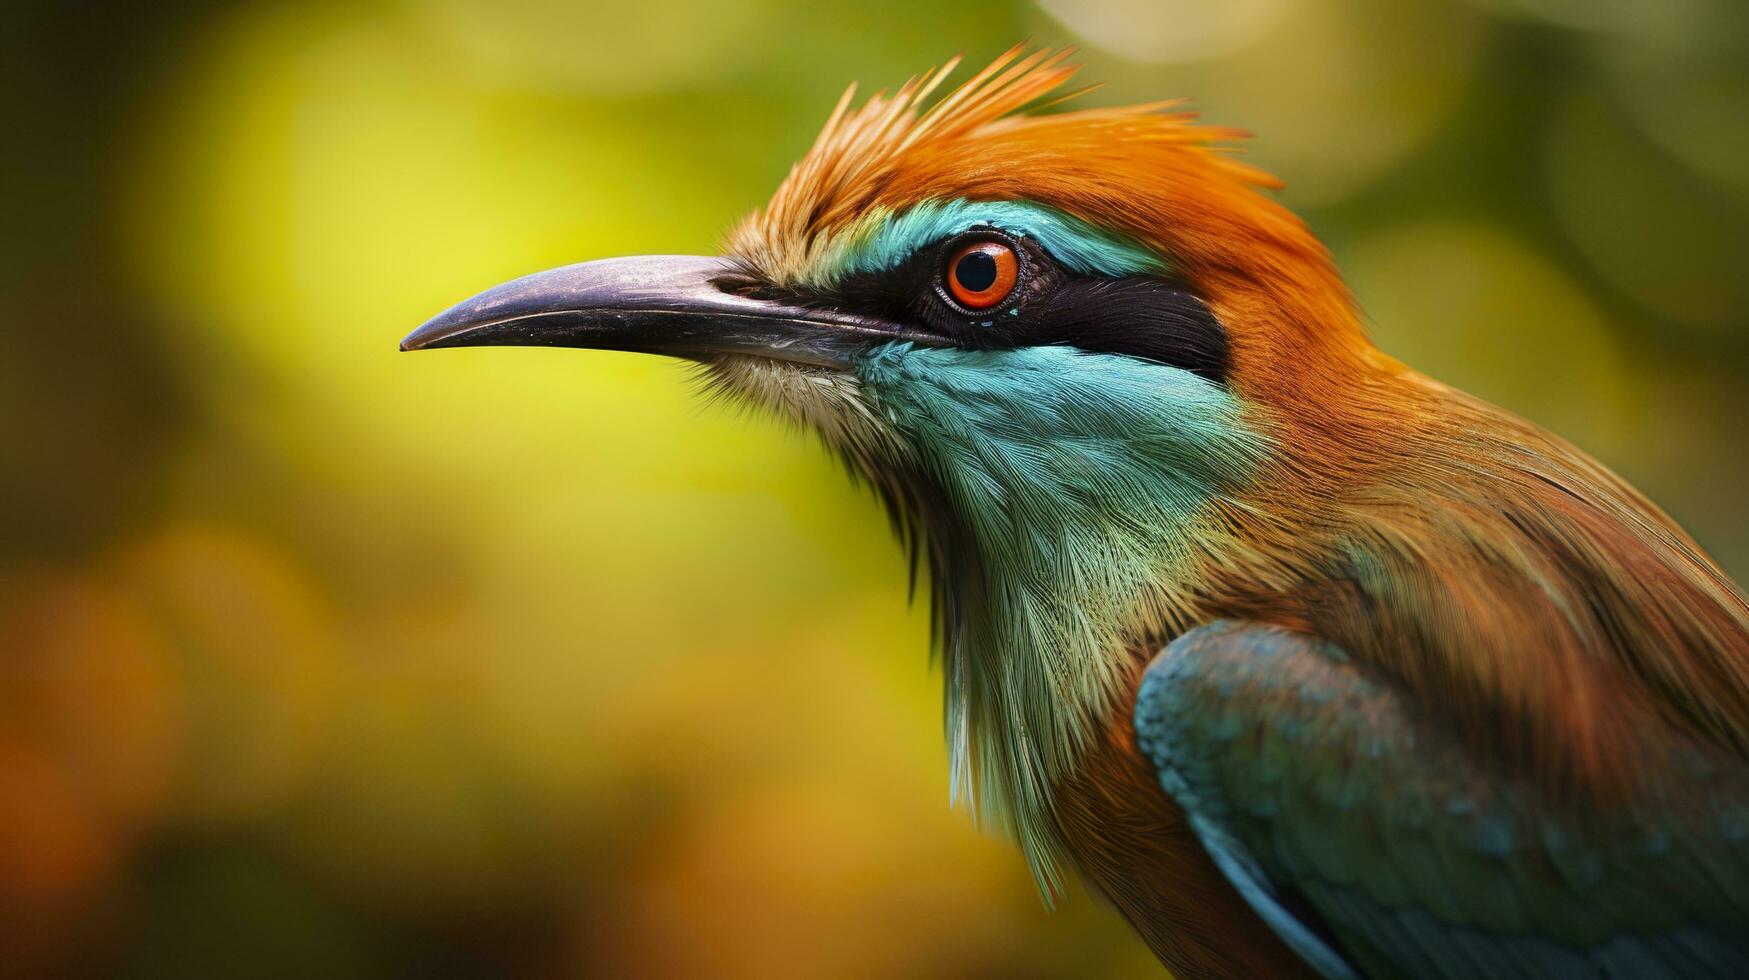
(982,274)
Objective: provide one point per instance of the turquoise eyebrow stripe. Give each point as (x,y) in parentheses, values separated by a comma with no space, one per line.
(1081,248)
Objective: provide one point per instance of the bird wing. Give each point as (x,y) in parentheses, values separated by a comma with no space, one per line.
(1374,845)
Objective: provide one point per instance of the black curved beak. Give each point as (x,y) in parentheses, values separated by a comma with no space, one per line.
(654,304)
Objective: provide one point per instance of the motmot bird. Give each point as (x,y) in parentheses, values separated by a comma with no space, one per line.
(1309,664)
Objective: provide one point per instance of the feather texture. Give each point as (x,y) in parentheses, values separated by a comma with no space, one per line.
(1421,861)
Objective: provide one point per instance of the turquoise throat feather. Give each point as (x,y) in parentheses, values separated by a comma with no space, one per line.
(1083,485)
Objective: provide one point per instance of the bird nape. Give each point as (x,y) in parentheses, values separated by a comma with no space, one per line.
(1309,664)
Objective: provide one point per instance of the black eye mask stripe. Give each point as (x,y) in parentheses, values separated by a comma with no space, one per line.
(1147,318)
(1151,318)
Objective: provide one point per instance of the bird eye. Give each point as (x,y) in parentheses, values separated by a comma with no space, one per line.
(982,274)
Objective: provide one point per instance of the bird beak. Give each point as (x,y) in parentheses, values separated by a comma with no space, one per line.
(654,304)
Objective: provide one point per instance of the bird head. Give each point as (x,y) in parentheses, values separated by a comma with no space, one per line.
(1064,347)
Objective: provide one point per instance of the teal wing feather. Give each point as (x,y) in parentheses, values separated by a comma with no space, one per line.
(1375,846)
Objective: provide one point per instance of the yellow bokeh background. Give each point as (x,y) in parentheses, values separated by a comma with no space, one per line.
(324,660)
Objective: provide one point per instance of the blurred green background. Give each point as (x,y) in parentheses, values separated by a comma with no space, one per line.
(324,660)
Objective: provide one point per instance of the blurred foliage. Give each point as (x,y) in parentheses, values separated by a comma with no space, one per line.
(319,660)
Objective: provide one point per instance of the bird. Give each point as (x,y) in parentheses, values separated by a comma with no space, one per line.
(1308,664)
